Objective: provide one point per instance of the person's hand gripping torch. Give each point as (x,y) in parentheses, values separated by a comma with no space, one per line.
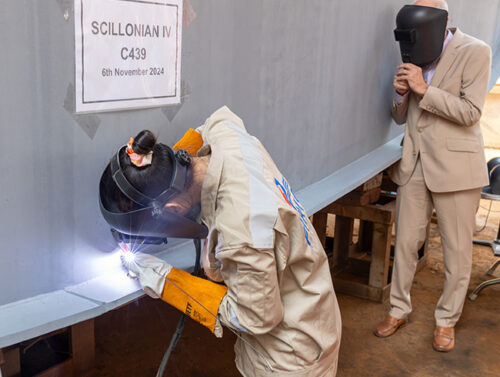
(128,253)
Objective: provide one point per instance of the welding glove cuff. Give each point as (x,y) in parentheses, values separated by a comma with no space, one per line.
(196,297)
(191,142)
(151,272)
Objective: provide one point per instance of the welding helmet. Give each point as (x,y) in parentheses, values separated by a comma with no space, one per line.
(148,219)
(420,32)
(494,172)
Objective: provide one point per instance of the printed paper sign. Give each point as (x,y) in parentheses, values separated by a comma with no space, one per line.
(128,54)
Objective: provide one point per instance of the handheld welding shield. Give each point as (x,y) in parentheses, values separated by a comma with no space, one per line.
(420,31)
(150,222)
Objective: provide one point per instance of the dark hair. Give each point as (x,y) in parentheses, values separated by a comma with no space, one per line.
(151,180)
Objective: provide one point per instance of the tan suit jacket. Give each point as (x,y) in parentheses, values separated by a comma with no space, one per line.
(443,125)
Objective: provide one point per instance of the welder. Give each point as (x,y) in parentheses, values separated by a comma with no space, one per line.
(269,276)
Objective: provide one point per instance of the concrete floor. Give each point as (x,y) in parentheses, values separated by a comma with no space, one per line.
(130,341)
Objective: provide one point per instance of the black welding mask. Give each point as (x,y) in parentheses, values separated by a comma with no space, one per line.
(420,32)
(149,221)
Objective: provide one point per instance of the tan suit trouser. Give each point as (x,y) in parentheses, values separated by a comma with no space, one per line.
(456,218)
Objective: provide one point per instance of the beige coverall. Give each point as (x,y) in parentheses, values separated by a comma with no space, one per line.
(280,296)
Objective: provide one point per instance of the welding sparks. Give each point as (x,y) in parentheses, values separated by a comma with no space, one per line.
(128,256)
(128,259)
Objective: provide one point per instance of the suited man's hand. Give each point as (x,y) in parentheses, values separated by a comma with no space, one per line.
(400,85)
(413,76)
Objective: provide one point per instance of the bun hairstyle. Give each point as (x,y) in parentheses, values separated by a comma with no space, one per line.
(150,180)
(144,142)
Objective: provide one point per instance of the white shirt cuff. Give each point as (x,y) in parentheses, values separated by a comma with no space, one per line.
(400,98)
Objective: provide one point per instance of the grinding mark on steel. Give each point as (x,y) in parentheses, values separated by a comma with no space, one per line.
(171,111)
(89,123)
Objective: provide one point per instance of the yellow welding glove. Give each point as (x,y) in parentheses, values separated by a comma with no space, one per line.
(191,142)
(196,297)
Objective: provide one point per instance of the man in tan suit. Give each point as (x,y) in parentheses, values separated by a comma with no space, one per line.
(442,167)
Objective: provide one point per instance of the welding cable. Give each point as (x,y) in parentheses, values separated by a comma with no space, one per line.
(486,220)
(191,142)
(491,210)
(182,319)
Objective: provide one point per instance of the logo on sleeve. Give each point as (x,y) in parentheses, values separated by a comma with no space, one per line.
(290,198)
